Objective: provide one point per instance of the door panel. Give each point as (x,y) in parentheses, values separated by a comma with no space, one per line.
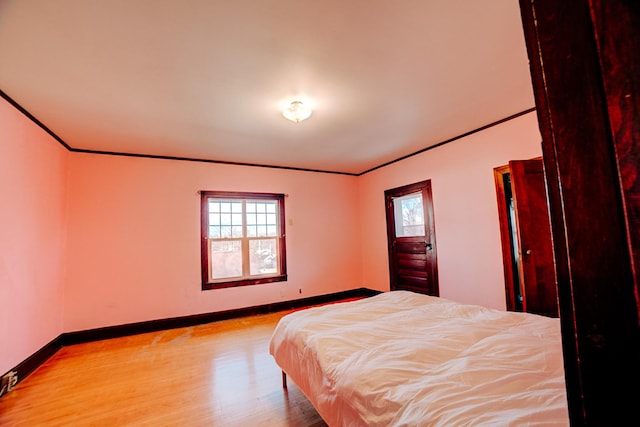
(416,249)
(536,266)
(411,239)
(412,262)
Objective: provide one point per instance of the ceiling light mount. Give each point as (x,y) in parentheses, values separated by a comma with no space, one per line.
(297,111)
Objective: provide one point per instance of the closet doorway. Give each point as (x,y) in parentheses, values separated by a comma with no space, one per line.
(411,238)
(530,281)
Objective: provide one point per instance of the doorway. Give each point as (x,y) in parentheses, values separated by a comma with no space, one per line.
(411,239)
(525,229)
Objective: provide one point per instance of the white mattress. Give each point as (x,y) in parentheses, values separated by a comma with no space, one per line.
(406,359)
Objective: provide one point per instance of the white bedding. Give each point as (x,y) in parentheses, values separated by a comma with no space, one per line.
(406,359)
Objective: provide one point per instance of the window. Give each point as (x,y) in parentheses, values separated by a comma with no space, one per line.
(243,239)
(409,215)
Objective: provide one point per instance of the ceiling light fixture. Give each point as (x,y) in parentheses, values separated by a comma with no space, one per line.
(297,111)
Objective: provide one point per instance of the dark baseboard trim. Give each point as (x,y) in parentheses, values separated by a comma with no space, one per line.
(69,338)
(30,364)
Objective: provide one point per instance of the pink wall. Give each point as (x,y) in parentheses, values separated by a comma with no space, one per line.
(134,248)
(465,209)
(32,236)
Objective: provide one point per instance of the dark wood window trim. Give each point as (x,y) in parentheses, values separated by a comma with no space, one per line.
(204,239)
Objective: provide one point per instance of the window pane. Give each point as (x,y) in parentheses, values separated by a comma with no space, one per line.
(214,231)
(236,219)
(251,231)
(226,259)
(236,231)
(263,256)
(225,231)
(409,215)
(271,219)
(271,230)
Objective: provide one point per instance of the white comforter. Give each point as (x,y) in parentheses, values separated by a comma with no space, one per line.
(406,359)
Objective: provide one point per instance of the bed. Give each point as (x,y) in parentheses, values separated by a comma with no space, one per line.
(406,359)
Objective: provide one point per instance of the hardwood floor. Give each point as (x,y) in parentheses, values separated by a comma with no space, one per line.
(217,374)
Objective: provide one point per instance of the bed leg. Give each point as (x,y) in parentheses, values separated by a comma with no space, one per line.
(284,380)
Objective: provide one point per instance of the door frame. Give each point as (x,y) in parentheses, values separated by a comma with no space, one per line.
(510,270)
(423,187)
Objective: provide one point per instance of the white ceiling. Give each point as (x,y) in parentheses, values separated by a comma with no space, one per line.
(205,79)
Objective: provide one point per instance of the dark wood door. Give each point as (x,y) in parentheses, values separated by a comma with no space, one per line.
(411,239)
(533,230)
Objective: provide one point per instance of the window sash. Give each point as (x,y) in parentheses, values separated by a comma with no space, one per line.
(245,260)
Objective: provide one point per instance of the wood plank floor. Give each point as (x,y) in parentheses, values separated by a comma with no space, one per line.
(217,374)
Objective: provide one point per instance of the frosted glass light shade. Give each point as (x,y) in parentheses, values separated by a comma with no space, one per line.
(297,112)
